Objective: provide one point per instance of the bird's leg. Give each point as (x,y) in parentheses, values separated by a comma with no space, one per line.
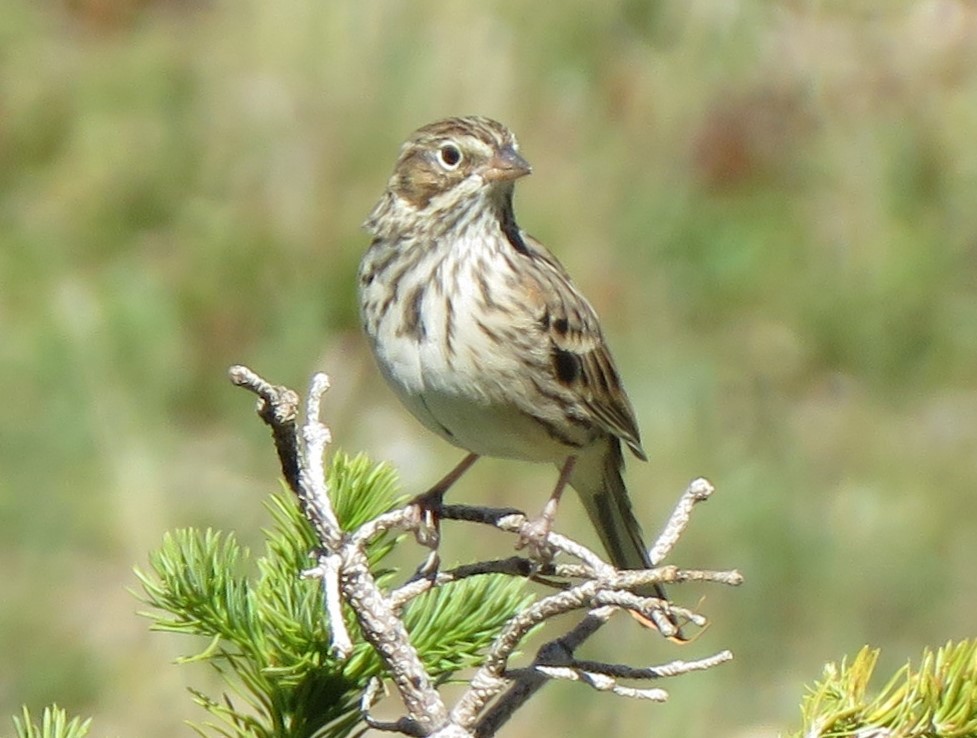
(427,507)
(535,532)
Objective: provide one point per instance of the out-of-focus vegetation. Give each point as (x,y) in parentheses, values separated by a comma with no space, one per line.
(771,205)
(937,698)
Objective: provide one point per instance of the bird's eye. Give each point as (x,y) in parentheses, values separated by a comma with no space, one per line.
(449,155)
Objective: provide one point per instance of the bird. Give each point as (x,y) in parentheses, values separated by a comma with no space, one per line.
(484,337)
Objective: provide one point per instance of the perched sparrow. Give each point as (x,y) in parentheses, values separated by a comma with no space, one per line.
(482,334)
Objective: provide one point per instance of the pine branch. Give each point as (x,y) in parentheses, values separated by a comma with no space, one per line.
(264,628)
(936,700)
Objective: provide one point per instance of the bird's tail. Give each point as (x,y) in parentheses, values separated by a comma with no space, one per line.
(597,479)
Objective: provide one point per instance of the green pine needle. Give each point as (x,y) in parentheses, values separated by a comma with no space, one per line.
(361,490)
(937,700)
(450,625)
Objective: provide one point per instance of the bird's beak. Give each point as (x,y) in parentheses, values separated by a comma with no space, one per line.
(506,165)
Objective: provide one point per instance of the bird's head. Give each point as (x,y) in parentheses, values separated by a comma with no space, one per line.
(447,166)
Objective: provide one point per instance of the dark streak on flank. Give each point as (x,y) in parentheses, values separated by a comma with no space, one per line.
(554,432)
(455,267)
(413,324)
(486,330)
(512,278)
(483,288)
(385,305)
(449,328)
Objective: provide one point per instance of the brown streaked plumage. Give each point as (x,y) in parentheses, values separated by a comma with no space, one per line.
(481,332)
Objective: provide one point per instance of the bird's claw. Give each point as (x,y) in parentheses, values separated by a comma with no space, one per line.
(426,512)
(534,536)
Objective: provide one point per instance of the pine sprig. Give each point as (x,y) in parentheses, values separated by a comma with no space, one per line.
(265,625)
(936,700)
(198,580)
(54,724)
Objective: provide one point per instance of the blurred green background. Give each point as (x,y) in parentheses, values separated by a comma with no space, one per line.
(772,205)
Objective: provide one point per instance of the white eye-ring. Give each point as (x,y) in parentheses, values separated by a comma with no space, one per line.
(449,156)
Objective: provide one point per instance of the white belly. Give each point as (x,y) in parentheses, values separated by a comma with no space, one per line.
(488,430)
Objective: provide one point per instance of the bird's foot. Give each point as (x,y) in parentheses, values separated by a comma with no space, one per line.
(534,536)
(425,511)
(535,533)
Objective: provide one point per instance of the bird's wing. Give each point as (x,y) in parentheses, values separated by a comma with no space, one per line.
(580,358)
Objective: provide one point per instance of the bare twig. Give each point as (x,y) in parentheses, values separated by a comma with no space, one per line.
(516,566)
(327,571)
(699,490)
(671,669)
(601,682)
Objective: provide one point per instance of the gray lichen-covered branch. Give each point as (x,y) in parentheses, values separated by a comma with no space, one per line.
(497,688)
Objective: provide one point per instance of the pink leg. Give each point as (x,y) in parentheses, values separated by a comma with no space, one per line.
(428,506)
(438,490)
(535,532)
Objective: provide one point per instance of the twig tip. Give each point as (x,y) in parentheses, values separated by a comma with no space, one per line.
(701,488)
(320,383)
(240,374)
